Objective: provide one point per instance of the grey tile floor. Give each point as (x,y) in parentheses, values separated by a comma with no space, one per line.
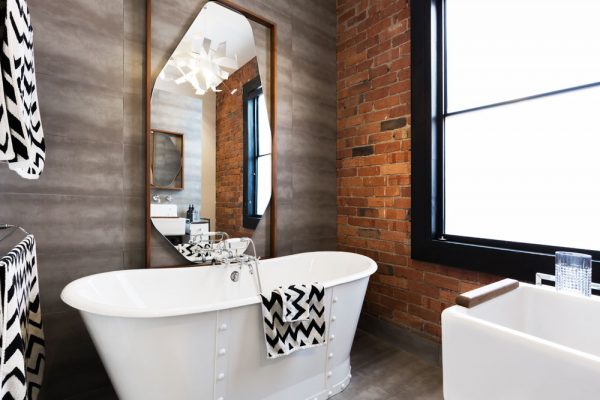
(382,371)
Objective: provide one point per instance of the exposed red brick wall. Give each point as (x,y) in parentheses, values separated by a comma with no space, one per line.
(373,167)
(230,152)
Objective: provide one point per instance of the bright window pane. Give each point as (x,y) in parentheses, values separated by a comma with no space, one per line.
(508,49)
(264,129)
(527,172)
(263,191)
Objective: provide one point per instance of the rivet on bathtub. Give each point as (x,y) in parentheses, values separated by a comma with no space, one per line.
(335,299)
(332,337)
(329,373)
(333,318)
(330,393)
(330,355)
(343,385)
(221,376)
(221,398)
(222,352)
(223,327)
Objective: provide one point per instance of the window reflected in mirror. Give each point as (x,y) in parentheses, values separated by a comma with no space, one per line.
(257,154)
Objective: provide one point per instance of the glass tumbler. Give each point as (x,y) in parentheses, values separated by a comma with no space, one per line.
(573,273)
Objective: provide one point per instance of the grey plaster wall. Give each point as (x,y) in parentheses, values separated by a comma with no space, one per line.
(174,112)
(87,210)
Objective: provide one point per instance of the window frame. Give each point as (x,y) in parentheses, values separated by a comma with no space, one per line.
(251,91)
(428,242)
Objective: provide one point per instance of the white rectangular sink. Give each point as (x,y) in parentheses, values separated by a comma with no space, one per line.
(163,210)
(530,343)
(169,226)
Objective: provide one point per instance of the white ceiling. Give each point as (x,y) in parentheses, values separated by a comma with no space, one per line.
(219,24)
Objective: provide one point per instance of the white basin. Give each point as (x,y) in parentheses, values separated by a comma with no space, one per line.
(169,226)
(163,210)
(530,343)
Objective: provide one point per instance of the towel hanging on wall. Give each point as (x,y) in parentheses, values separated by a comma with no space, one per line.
(19,112)
(6,150)
(22,356)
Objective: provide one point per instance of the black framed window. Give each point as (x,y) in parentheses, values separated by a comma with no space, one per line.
(257,154)
(505,133)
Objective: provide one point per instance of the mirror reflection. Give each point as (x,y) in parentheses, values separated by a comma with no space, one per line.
(167,160)
(210,96)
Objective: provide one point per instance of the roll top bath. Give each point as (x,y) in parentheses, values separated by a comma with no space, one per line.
(200,335)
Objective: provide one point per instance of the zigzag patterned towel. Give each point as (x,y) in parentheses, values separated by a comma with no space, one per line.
(283,338)
(6,149)
(295,303)
(196,251)
(20,122)
(22,356)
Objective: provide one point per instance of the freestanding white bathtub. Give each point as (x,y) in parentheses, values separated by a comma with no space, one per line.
(194,334)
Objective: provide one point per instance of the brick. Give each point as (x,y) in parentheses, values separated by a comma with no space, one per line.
(346,172)
(368,212)
(367,171)
(378,71)
(392,169)
(464,287)
(408,320)
(442,281)
(434,330)
(362,151)
(463,274)
(423,313)
(393,124)
(409,273)
(447,296)
(393,281)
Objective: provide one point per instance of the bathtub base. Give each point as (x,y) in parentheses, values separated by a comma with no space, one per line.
(335,389)
(299,391)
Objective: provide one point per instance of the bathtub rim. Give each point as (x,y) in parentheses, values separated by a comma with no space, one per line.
(70,296)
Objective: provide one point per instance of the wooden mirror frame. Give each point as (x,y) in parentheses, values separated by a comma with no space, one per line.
(151,149)
(272,117)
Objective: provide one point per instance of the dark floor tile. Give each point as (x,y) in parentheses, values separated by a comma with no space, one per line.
(382,371)
(366,350)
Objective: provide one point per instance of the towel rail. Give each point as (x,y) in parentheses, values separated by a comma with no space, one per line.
(6,226)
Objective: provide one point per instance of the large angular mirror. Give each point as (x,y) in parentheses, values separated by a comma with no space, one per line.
(210,94)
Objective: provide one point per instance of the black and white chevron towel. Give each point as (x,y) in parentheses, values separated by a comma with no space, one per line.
(199,252)
(21,136)
(295,303)
(22,356)
(283,338)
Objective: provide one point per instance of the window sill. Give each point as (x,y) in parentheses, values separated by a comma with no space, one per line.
(513,263)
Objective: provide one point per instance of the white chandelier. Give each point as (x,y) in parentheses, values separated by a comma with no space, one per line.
(202,66)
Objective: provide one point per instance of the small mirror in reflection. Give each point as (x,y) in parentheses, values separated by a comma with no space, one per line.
(167,160)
